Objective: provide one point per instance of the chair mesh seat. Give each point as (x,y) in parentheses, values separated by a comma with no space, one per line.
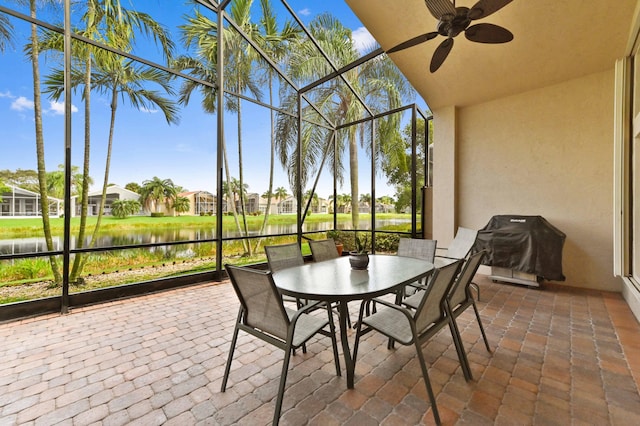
(391,323)
(307,326)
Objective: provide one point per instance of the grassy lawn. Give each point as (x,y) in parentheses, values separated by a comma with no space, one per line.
(28,278)
(33,227)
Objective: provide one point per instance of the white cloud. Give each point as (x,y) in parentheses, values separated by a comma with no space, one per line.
(57,108)
(21,104)
(7,95)
(362,39)
(304,12)
(150,111)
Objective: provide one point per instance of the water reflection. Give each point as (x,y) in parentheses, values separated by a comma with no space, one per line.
(162,235)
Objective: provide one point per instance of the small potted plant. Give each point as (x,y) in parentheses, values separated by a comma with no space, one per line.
(337,238)
(359,258)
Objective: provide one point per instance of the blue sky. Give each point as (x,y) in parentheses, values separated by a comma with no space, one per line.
(144,145)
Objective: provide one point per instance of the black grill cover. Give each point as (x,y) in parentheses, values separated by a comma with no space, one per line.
(523,243)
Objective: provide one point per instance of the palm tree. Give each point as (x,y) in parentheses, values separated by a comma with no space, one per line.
(202,33)
(274,43)
(55,181)
(107,22)
(237,192)
(311,195)
(133,186)
(379,83)
(281,193)
(181,205)
(157,191)
(33,50)
(123,208)
(6,31)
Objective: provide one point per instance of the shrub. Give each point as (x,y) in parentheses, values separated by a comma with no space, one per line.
(387,242)
(157,214)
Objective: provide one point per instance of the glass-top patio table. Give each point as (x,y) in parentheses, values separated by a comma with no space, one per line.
(335,281)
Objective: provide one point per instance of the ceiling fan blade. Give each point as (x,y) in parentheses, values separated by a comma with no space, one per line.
(488,33)
(414,41)
(441,53)
(484,8)
(439,8)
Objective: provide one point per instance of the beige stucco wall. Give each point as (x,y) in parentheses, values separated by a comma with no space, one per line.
(546,152)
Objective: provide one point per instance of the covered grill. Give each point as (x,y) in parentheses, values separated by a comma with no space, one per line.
(522,249)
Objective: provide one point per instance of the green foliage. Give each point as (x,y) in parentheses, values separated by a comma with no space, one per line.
(25,179)
(157,214)
(156,191)
(361,243)
(123,208)
(3,188)
(387,243)
(335,235)
(25,269)
(133,186)
(181,205)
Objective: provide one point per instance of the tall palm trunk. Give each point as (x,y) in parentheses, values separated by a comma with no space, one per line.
(231,195)
(353,166)
(107,167)
(42,170)
(241,179)
(76,271)
(271,164)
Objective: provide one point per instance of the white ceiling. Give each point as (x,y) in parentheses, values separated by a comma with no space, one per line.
(554,41)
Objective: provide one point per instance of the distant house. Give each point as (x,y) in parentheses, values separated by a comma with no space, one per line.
(252,203)
(273,208)
(18,202)
(385,208)
(364,207)
(288,206)
(114,192)
(200,202)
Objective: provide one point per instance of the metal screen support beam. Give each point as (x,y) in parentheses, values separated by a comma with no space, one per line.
(414,178)
(66,256)
(335,179)
(372,203)
(298,171)
(220,146)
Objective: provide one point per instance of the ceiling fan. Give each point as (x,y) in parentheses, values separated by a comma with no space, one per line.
(453,20)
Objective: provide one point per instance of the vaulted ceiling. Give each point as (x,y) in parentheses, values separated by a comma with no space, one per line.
(554,41)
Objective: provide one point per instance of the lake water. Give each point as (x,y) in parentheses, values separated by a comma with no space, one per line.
(160,235)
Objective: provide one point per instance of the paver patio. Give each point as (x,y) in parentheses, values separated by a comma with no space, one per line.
(561,356)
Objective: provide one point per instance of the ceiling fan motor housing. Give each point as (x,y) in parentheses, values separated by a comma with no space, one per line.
(450,25)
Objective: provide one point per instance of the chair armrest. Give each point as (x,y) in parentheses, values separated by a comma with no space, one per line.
(305,309)
(402,309)
(446,257)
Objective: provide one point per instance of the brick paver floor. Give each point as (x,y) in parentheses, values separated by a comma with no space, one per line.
(560,356)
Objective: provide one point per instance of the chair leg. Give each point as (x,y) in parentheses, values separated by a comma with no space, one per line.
(364,305)
(334,343)
(283,380)
(231,349)
(484,335)
(462,355)
(427,382)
